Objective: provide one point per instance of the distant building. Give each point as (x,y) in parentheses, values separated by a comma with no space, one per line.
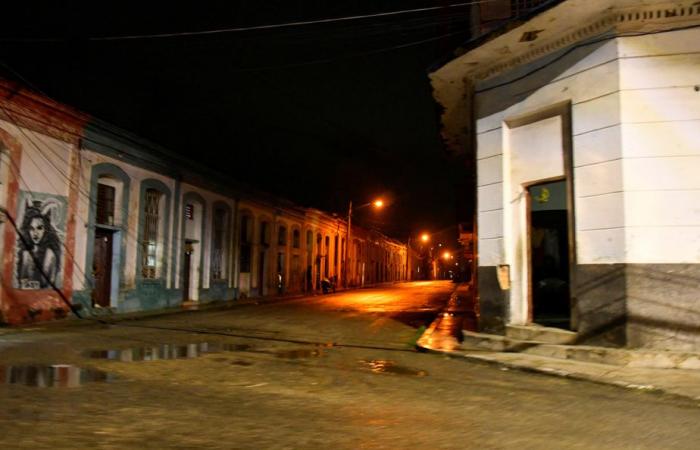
(106,221)
(583,118)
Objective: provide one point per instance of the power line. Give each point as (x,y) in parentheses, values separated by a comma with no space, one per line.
(285,25)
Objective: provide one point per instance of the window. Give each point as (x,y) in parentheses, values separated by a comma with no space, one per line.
(264,233)
(105,204)
(189,211)
(149,253)
(282,235)
(296,239)
(335,255)
(245,255)
(218,249)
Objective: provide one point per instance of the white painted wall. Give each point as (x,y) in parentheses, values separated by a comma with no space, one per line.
(588,78)
(532,153)
(660,109)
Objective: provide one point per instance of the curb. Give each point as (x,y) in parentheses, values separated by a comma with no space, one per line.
(558,373)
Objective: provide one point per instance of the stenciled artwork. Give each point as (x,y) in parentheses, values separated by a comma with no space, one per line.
(41,222)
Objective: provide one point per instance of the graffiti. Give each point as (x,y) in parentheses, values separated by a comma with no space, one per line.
(42,228)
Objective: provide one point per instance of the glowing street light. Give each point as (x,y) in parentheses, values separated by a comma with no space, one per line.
(378,203)
(425,237)
(447,255)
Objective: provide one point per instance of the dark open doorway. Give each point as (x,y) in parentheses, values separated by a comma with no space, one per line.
(186,271)
(102,267)
(549,255)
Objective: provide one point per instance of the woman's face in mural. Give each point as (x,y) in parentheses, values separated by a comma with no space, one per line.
(37,229)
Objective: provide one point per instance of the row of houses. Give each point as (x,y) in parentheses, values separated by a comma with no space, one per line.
(583,121)
(97,218)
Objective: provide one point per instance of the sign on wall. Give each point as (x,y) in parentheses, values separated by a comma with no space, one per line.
(42,223)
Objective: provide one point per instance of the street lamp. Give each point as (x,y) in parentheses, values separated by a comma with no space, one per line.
(424,237)
(378,203)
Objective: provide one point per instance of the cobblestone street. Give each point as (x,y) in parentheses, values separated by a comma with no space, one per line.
(332,370)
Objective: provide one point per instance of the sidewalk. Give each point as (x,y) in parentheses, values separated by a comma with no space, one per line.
(676,374)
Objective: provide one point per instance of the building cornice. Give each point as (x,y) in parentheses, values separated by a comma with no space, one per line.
(615,22)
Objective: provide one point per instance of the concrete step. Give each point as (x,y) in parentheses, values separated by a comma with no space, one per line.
(636,358)
(537,333)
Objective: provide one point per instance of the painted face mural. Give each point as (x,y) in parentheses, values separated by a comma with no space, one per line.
(39,244)
(37,230)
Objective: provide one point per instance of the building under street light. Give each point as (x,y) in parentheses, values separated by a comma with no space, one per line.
(584,115)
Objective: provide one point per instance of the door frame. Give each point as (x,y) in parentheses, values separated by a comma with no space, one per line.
(563,110)
(115,263)
(528,249)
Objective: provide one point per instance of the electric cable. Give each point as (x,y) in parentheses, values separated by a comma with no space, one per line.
(39,265)
(287,24)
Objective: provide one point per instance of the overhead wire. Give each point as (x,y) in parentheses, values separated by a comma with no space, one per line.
(287,24)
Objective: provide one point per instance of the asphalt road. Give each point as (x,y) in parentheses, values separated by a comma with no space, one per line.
(327,371)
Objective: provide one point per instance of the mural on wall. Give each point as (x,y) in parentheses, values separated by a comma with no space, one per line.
(41,220)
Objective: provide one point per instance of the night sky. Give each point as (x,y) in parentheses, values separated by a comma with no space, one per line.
(319,114)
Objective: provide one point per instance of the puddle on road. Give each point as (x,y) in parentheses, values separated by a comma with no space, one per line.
(299,353)
(52,376)
(166,351)
(190,351)
(415,319)
(387,366)
(240,362)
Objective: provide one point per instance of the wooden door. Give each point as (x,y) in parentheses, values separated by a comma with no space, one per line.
(186,269)
(261,273)
(102,267)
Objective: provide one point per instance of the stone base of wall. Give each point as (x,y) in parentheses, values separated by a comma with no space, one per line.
(493,302)
(654,306)
(663,306)
(600,298)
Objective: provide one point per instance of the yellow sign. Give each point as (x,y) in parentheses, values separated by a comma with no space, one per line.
(544,196)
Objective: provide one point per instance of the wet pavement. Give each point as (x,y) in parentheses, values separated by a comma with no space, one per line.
(337,370)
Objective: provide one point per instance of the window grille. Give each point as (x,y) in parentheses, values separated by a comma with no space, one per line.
(281,235)
(264,233)
(149,252)
(105,204)
(245,229)
(189,211)
(217,250)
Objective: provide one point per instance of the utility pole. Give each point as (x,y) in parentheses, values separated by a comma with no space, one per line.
(348,242)
(408,259)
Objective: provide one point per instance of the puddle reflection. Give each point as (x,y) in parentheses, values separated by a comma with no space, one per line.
(166,351)
(57,375)
(299,354)
(387,366)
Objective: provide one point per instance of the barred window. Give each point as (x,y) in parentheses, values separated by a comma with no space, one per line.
(217,247)
(245,255)
(149,251)
(282,235)
(105,204)
(264,233)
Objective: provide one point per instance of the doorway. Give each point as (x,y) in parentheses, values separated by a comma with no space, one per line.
(261,274)
(549,255)
(102,267)
(187,272)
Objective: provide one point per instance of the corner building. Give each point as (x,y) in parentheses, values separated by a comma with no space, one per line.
(584,121)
